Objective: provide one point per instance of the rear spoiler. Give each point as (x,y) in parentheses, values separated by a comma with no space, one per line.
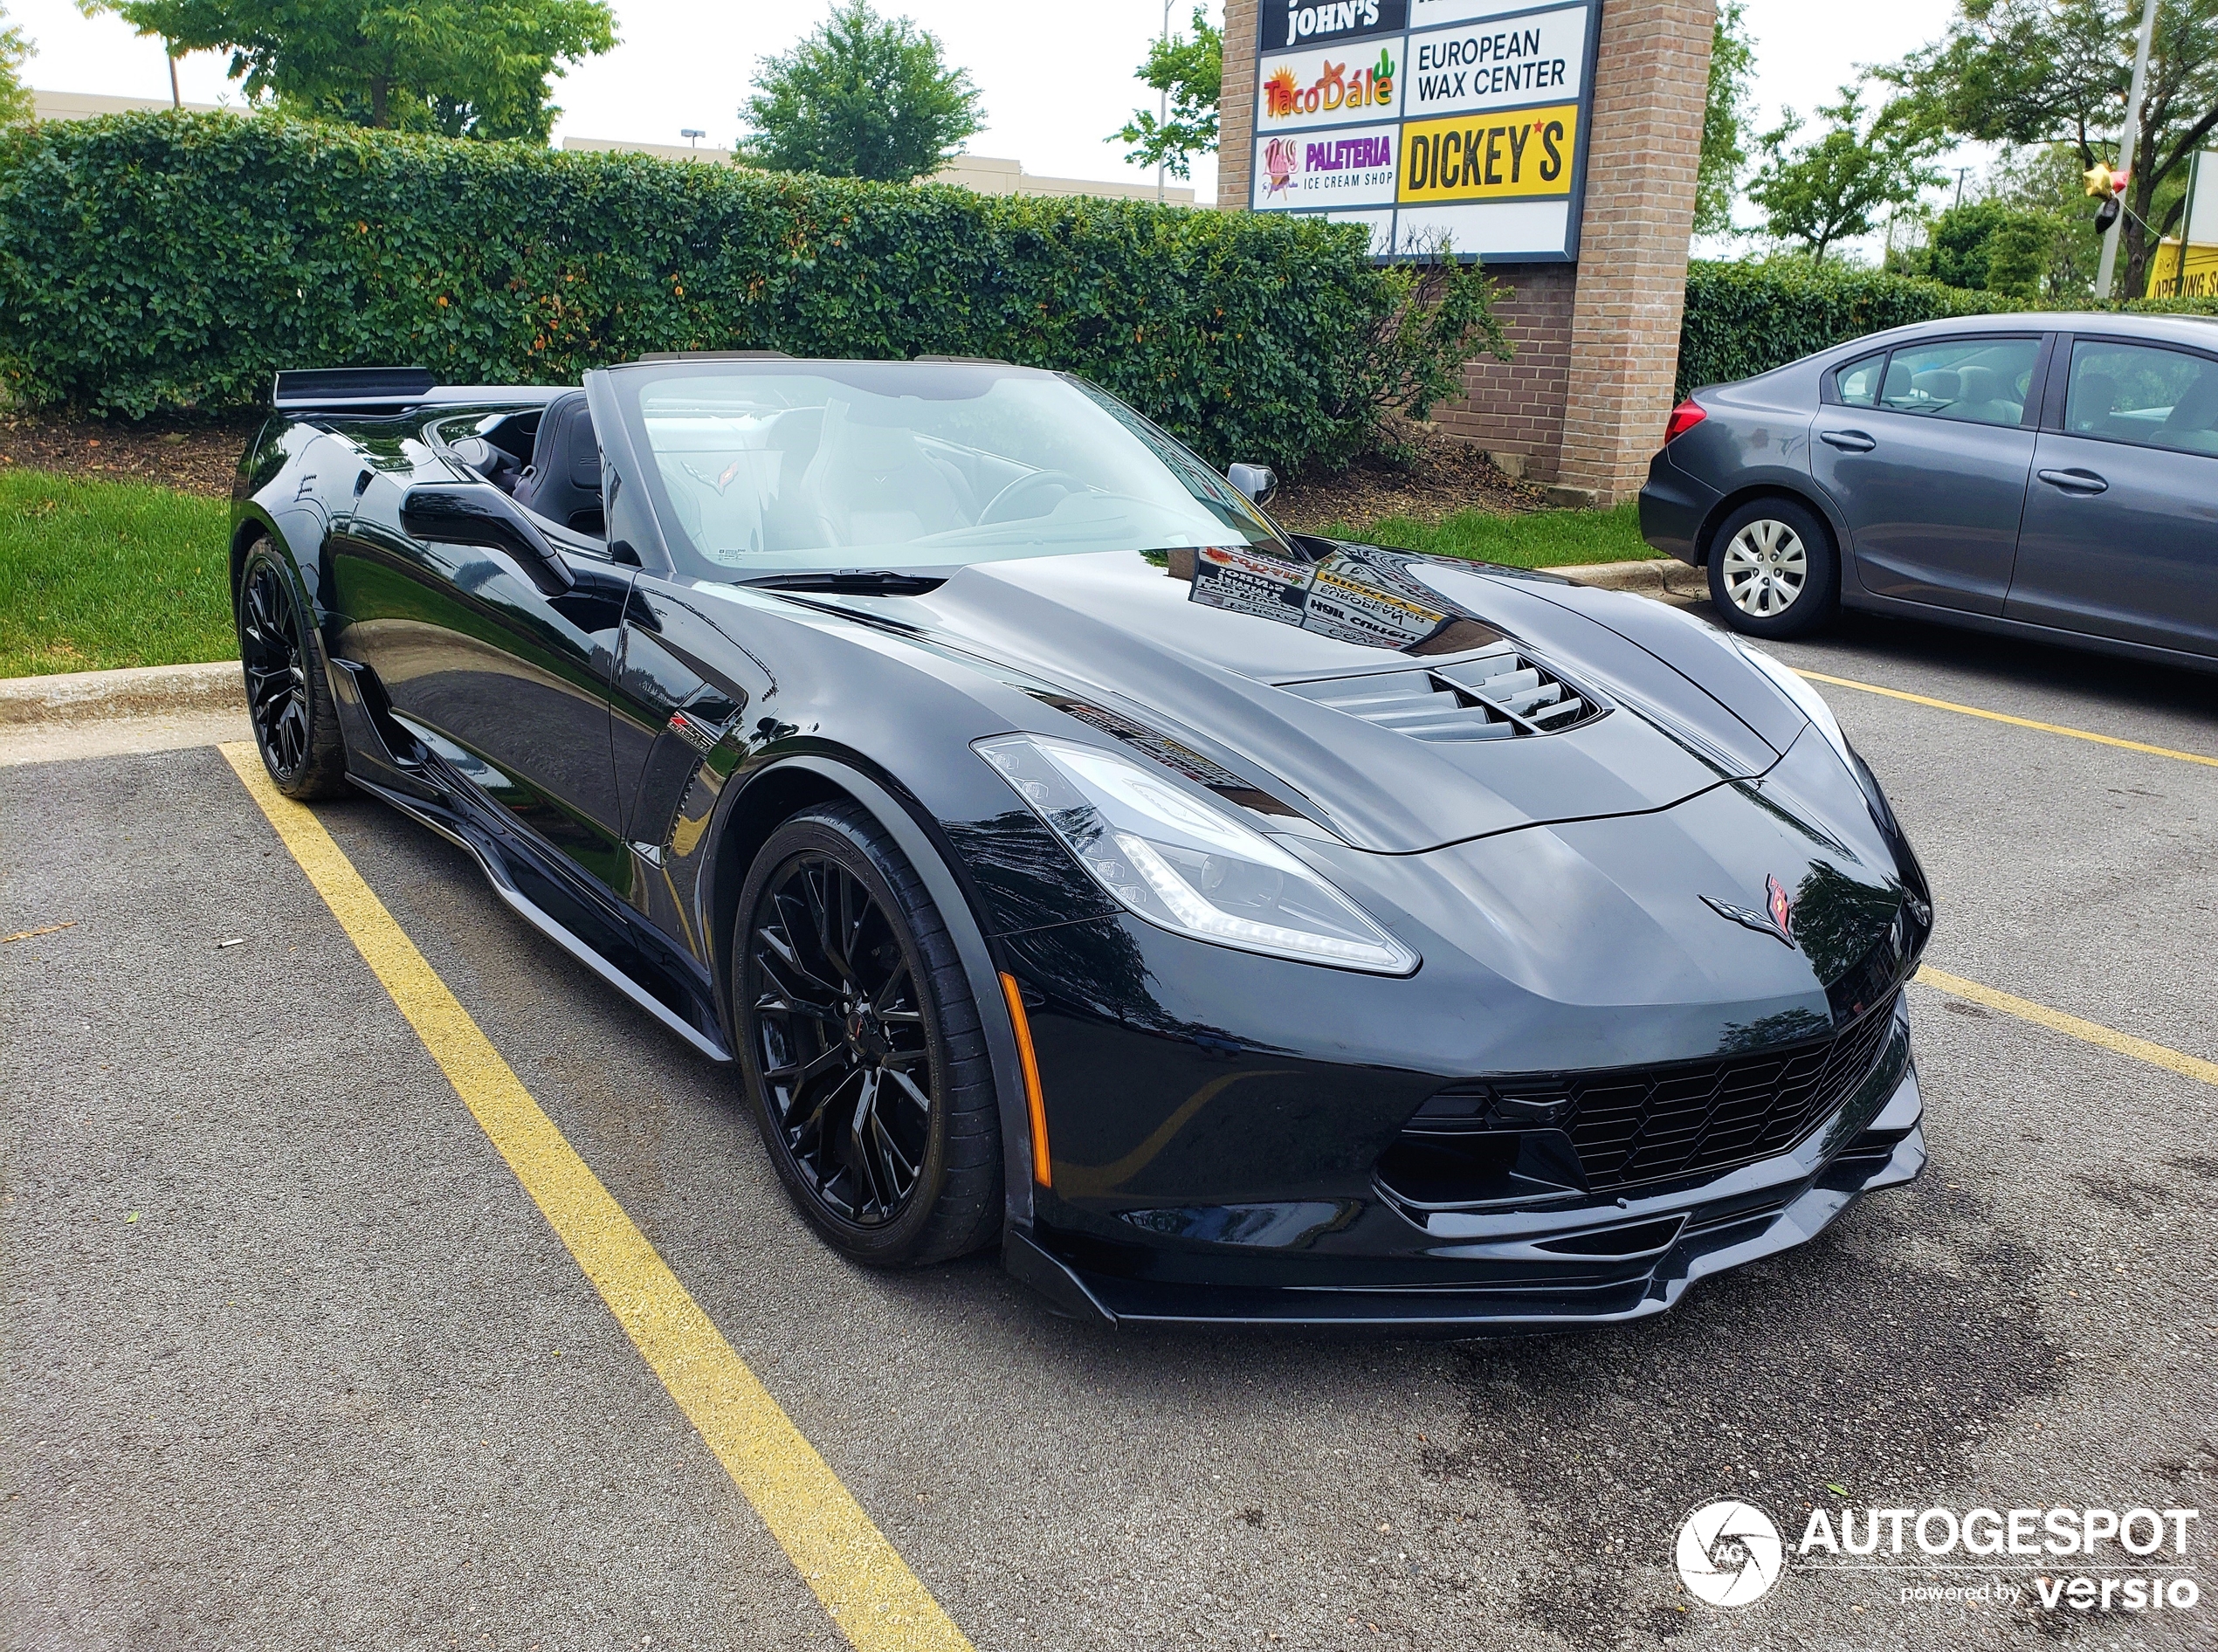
(389,389)
(334,388)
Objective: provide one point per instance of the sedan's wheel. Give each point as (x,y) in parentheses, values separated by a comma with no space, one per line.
(1773,572)
(862,1046)
(288,699)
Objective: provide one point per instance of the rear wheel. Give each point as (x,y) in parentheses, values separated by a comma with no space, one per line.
(1773,570)
(861,1045)
(288,696)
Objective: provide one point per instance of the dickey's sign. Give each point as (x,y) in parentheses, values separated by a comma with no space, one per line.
(1436,122)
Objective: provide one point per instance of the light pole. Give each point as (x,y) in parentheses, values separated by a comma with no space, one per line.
(1163,119)
(694,132)
(2126,146)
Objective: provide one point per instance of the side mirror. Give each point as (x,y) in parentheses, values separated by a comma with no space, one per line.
(467,513)
(1258,482)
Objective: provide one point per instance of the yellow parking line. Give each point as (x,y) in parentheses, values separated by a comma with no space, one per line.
(879,1603)
(2018,722)
(2071,1026)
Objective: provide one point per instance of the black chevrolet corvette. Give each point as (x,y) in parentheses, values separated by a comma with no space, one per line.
(1232,925)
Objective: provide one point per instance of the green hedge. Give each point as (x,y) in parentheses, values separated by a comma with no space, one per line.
(1747,318)
(163,262)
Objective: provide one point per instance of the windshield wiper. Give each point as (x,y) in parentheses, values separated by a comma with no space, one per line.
(857,581)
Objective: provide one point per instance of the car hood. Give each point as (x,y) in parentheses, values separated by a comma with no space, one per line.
(1237,654)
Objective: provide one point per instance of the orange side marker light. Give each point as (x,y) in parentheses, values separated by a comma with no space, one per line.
(1035,1104)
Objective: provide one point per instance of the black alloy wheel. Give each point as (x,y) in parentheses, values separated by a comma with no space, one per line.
(861,1044)
(287,699)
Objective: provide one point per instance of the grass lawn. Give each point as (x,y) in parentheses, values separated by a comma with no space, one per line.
(1544,538)
(94,575)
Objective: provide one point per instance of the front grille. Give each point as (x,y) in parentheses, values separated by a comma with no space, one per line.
(1495,694)
(1635,1124)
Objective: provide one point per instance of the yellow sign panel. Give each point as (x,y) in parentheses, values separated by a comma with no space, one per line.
(2188,273)
(1493,156)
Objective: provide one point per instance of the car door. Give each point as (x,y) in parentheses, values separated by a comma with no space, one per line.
(680,701)
(502,674)
(2121,526)
(1926,449)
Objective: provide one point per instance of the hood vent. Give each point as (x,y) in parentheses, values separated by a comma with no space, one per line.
(1496,694)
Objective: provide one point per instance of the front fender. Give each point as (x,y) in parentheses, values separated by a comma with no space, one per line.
(928,848)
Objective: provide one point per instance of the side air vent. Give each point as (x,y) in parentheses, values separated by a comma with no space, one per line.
(1496,694)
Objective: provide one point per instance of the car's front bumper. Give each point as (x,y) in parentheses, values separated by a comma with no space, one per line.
(1534,1273)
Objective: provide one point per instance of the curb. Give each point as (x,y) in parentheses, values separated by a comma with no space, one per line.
(150,691)
(1662,576)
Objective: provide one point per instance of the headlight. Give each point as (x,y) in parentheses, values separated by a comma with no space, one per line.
(1807,699)
(1813,705)
(1185,865)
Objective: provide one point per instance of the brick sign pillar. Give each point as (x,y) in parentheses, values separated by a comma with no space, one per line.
(1581,405)
(1237,107)
(1650,78)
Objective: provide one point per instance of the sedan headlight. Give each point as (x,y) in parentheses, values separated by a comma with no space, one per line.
(1184,864)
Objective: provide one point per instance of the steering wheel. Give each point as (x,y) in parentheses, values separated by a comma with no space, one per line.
(1023,485)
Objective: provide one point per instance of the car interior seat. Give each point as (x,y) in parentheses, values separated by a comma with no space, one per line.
(562,483)
(1981,394)
(1938,386)
(873,485)
(2192,423)
(2092,400)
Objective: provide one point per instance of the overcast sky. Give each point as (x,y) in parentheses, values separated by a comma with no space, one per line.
(1057,77)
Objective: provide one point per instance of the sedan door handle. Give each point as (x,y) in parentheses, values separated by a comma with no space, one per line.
(1847,441)
(2074,481)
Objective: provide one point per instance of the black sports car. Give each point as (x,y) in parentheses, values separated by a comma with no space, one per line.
(1231,924)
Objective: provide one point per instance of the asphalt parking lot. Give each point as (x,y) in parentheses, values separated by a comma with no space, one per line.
(292,1359)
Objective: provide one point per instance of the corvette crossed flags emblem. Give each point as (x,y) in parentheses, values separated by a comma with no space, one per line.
(1776,920)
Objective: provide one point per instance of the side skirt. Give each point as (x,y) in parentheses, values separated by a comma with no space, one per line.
(2000,625)
(492,860)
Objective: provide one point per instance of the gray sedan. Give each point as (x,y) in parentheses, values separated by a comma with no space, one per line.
(2048,476)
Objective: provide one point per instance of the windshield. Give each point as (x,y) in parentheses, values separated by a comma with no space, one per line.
(794,467)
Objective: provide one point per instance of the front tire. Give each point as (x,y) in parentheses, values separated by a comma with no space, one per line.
(288,692)
(861,1045)
(1773,571)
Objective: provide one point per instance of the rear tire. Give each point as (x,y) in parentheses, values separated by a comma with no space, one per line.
(1773,571)
(861,1046)
(288,688)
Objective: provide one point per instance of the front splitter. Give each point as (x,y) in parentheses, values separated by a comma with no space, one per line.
(1527,1309)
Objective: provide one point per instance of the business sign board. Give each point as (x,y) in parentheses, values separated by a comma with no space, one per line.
(1460,123)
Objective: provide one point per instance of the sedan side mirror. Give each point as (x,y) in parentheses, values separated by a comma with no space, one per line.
(1258,482)
(468,513)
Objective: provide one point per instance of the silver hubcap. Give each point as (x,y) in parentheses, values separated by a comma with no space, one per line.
(1766,568)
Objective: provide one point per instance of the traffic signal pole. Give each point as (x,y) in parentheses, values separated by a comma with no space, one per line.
(2127,145)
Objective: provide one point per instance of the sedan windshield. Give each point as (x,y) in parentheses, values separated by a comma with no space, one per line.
(768,467)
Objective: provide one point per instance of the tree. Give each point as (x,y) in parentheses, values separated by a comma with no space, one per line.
(2046,184)
(2057,72)
(15,51)
(1726,113)
(1192,72)
(1832,188)
(1987,245)
(469,68)
(862,98)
